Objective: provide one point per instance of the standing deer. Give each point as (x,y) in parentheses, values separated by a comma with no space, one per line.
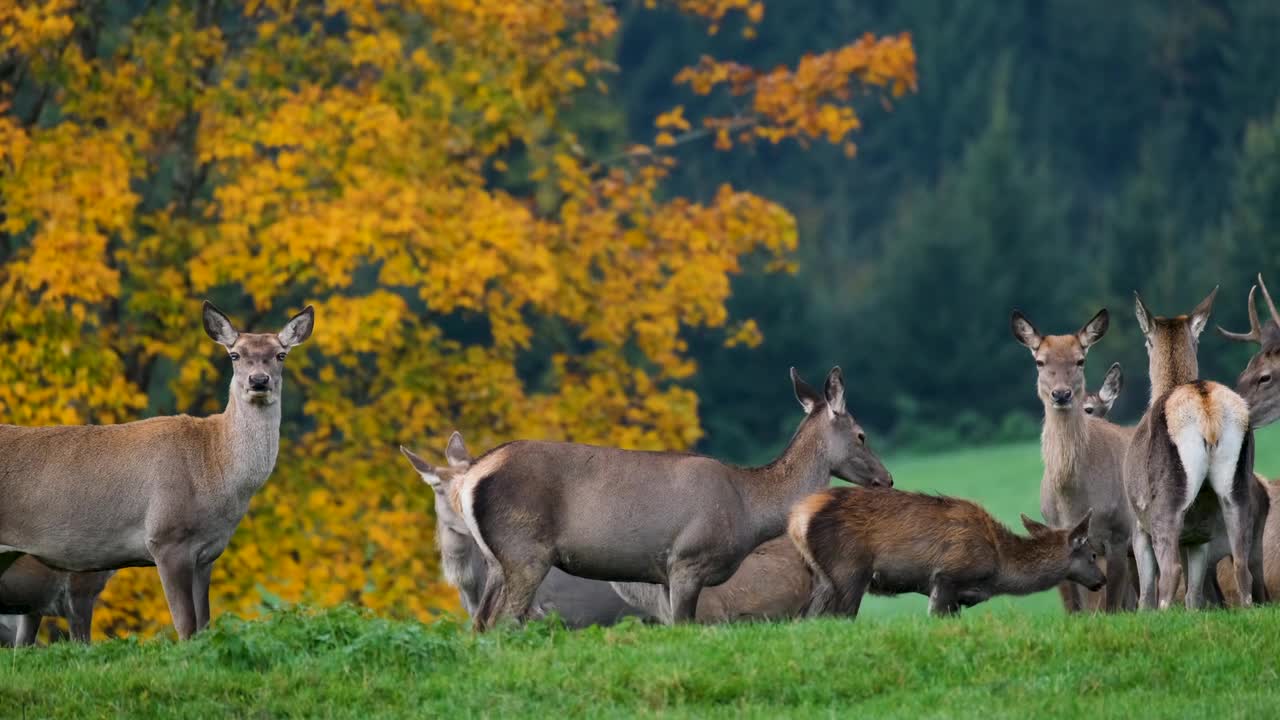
(32,591)
(168,491)
(681,520)
(1194,434)
(580,602)
(1255,384)
(1083,456)
(892,542)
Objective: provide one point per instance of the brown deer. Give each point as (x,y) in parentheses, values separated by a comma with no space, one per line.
(1255,384)
(1098,404)
(1194,437)
(32,591)
(1083,455)
(892,542)
(168,491)
(680,520)
(579,602)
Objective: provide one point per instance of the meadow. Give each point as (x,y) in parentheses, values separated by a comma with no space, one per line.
(1011,656)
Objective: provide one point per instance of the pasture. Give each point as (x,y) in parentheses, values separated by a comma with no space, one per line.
(1010,656)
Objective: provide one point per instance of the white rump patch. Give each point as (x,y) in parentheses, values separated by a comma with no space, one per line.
(1194,455)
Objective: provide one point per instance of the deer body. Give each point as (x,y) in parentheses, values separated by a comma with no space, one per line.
(168,491)
(1189,469)
(32,591)
(892,542)
(1083,454)
(679,520)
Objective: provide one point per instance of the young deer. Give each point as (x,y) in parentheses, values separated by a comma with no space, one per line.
(1194,436)
(32,591)
(579,602)
(894,542)
(1083,456)
(1256,384)
(681,520)
(1098,404)
(168,491)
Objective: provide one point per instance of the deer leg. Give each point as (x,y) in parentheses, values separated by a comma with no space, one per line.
(177,576)
(490,602)
(942,599)
(685,587)
(1144,557)
(81,618)
(1239,522)
(1197,567)
(821,594)
(28,628)
(1165,540)
(1118,587)
(521,576)
(850,599)
(200,595)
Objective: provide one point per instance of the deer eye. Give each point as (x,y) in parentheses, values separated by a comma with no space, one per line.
(235,356)
(1088,410)
(862,437)
(281,357)
(1080,363)
(1039,363)
(1264,379)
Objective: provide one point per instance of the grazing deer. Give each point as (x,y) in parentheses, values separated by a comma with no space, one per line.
(892,542)
(1083,456)
(32,591)
(1256,385)
(168,491)
(681,520)
(772,583)
(1194,436)
(1098,404)
(579,602)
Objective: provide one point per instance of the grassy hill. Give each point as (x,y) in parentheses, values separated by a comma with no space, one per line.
(342,664)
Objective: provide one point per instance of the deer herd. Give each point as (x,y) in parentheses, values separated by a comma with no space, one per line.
(1143,516)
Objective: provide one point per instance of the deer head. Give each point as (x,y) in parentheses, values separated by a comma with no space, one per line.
(1059,358)
(841,440)
(1099,404)
(257,359)
(1082,559)
(454,535)
(1172,343)
(1256,384)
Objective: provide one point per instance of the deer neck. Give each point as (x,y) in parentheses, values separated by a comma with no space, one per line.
(462,564)
(251,441)
(1062,443)
(1171,366)
(771,490)
(1028,565)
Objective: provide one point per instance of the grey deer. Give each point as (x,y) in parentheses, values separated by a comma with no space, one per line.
(1098,404)
(1257,384)
(680,520)
(30,591)
(1083,456)
(1189,470)
(167,491)
(579,602)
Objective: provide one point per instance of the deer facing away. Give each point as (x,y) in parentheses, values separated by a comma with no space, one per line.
(892,542)
(1083,455)
(32,592)
(168,491)
(680,520)
(579,602)
(1189,471)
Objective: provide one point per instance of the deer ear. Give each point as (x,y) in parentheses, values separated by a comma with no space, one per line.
(1111,384)
(805,393)
(1093,330)
(1024,332)
(297,330)
(1079,536)
(456,453)
(1200,316)
(1142,313)
(218,326)
(1033,527)
(835,391)
(424,468)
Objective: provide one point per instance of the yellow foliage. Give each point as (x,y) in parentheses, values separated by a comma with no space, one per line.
(277,160)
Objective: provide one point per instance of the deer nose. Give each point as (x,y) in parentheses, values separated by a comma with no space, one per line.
(259,381)
(1061,396)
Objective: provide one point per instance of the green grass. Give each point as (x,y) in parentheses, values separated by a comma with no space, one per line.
(985,664)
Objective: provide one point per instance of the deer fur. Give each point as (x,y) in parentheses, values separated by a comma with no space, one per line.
(680,520)
(30,591)
(1083,455)
(1098,404)
(1194,437)
(168,491)
(578,601)
(892,542)
(1267,533)
(1257,384)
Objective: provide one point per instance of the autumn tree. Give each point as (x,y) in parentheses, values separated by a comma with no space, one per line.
(414,170)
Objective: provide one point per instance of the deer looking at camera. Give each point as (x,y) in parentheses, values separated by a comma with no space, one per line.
(168,491)
(892,542)
(1083,455)
(1189,470)
(680,520)
(1098,404)
(32,592)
